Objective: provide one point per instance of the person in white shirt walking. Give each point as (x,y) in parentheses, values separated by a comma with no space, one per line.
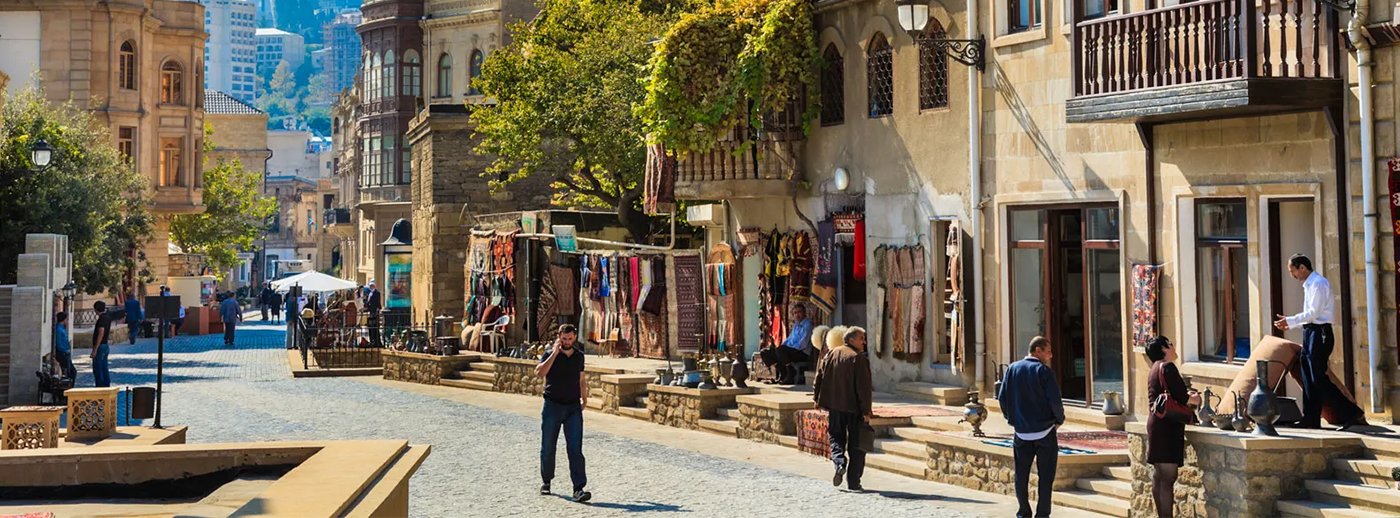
(1316,322)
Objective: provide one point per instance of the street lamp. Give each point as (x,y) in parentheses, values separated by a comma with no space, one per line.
(41,155)
(913,16)
(69,291)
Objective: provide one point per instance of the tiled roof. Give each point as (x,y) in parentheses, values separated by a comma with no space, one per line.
(219,103)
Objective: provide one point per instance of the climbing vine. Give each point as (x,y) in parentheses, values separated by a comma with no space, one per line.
(713,62)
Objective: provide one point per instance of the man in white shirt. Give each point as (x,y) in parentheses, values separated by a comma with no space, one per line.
(1316,322)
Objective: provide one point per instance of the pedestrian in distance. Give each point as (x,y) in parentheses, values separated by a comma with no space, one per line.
(1316,321)
(1030,399)
(275,302)
(63,346)
(101,338)
(374,303)
(134,316)
(565,392)
(842,388)
(1166,438)
(231,313)
(265,300)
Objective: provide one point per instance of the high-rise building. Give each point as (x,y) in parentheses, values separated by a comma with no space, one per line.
(267,12)
(230,58)
(276,45)
(344,45)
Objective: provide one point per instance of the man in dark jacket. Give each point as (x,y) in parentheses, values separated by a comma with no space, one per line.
(134,316)
(1030,398)
(843,389)
(265,300)
(374,303)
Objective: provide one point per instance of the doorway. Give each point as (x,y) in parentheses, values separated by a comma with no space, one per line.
(1066,285)
(1286,297)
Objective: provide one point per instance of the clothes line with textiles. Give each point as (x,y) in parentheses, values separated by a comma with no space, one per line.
(902,273)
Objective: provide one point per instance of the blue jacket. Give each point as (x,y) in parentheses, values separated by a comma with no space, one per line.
(61,343)
(1030,397)
(133,310)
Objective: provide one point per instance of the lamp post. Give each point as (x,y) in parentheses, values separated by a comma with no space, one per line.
(41,154)
(69,291)
(913,16)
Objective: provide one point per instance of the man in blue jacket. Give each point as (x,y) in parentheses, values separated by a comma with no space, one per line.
(134,316)
(1030,398)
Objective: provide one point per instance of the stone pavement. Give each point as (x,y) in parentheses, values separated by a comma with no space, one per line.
(485,445)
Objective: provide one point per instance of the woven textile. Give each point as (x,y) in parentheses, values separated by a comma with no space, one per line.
(1145,279)
(812,434)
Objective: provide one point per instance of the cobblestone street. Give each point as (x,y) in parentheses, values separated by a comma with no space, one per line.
(485,445)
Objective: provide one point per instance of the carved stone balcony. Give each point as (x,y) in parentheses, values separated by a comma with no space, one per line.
(769,166)
(1206,59)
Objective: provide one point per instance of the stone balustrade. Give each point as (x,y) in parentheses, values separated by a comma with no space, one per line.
(29,427)
(766,417)
(684,407)
(428,369)
(349,358)
(1237,474)
(621,390)
(960,459)
(92,413)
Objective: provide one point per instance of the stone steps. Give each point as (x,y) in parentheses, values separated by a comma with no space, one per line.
(725,427)
(1124,473)
(595,403)
(480,377)
(919,434)
(1091,418)
(933,393)
(940,424)
(1106,487)
(729,413)
(1374,473)
(634,412)
(467,384)
(1382,448)
(1355,495)
(896,464)
(1311,509)
(482,366)
(908,449)
(1094,502)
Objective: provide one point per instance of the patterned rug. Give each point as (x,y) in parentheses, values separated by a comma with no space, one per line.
(1077,442)
(914,411)
(811,432)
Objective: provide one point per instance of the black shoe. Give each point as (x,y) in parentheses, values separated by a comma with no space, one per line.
(840,475)
(544,489)
(582,496)
(855,489)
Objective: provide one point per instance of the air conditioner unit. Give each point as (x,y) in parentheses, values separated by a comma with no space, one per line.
(711,215)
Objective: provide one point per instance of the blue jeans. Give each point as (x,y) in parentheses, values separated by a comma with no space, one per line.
(1046,454)
(570,418)
(101,373)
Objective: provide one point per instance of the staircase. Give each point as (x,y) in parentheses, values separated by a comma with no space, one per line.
(479,375)
(937,394)
(638,410)
(725,422)
(1108,494)
(1363,487)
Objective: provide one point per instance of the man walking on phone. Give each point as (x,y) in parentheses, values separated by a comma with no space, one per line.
(565,391)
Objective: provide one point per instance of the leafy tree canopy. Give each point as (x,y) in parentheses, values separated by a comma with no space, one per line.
(233,216)
(89,192)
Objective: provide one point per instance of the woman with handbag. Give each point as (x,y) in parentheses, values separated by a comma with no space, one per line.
(1171,405)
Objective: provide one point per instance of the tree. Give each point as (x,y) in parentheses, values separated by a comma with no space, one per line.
(565,91)
(278,99)
(89,192)
(234,212)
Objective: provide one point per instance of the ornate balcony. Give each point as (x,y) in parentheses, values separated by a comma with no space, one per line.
(770,167)
(1206,59)
(338,222)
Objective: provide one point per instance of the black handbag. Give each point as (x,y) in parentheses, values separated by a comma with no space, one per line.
(1165,407)
(866,437)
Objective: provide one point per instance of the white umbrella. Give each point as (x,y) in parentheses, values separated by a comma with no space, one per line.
(313,281)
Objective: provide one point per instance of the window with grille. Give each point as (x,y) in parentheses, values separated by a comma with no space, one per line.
(172,78)
(879,76)
(126,66)
(444,75)
(833,87)
(933,68)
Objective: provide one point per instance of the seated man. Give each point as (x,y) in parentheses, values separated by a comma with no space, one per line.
(793,350)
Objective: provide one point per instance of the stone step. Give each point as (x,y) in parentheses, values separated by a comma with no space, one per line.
(634,412)
(788,440)
(481,377)
(726,427)
(467,384)
(940,424)
(919,435)
(641,401)
(482,366)
(1087,501)
(1106,487)
(908,449)
(1313,509)
(1354,495)
(1092,418)
(1382,448)
(595,403)
(896,464)
(936,394)
(731,413)
(1374,473)
(1124,473)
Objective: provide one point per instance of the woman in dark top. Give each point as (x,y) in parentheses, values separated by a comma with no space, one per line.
(1166,439)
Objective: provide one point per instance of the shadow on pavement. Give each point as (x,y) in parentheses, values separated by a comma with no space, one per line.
(640,507)
(902,495)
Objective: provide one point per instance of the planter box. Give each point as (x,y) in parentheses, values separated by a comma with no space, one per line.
(428,369)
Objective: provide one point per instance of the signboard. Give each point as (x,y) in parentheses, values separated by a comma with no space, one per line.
(564,238)
(206,292)
(527,222)
(1394,226)
(399,268)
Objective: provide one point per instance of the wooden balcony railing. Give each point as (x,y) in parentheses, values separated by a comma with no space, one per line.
(1204,41)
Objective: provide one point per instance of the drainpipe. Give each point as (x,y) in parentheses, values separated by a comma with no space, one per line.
(1356,33)
(974,166)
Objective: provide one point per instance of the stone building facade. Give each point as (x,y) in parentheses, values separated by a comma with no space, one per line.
(345,164)
(295,233)
(138,65)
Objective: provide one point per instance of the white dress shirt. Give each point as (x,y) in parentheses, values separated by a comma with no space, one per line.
(1317,303)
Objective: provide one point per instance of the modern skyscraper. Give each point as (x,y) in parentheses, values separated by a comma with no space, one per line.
(229,58)
(344,45)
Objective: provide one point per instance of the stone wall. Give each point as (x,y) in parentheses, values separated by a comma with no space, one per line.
(765,418)
(1237,475)
(620,390)
(517,376)
(421,368)
(970,463)
(684,408)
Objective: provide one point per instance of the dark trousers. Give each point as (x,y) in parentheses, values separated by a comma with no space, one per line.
(374,331)
(1317,386)
(133,327)
(65,362)
(1045,453)
(569,417)
(264,312)
(843,431)
(787,360)
(228,332)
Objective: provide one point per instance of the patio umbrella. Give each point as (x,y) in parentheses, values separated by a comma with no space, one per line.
(315,282)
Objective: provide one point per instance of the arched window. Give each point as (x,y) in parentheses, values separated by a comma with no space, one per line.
(879,76)
(389,69)
(172,83)
(126,66)
(444,75)
(933,68)
(475,70)
(412,74)
(376,77)
(833,87)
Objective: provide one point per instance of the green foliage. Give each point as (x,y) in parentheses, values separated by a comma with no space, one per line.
(713,62)
(233,216)
(89,192)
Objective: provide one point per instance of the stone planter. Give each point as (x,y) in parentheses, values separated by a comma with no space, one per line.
(685,407)
(29,427)
(766,417)
(428,369)
(92,413)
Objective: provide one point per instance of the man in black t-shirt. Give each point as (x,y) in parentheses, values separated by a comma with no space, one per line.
(565,391)
(101,337)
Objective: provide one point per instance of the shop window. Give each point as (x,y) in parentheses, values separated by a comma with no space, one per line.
(833,87)
(1222,273)
(126,66)
(879,77)
(172,87)
(933,68)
